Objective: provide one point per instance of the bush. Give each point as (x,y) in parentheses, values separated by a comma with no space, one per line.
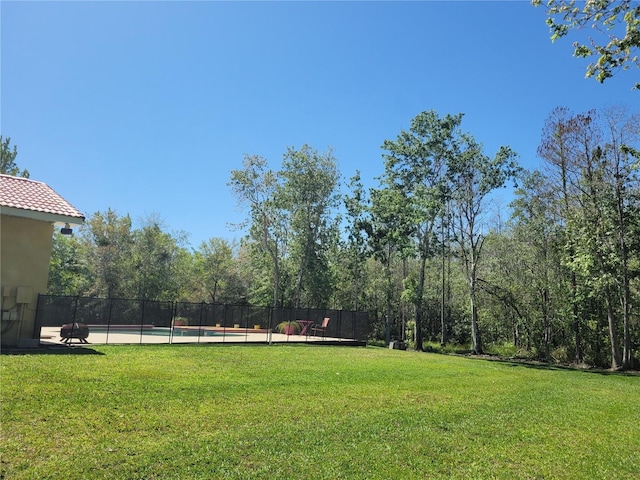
(560,355)
(447,349)
(290,328)
(503,349)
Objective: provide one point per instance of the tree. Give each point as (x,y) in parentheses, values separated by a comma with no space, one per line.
(593,158)
(556,149)
(255,185)
(415,167)
(7,159)
(69,272)
(607,17)
(608,212)
(215,265)
(591,225)
(532,270)
(474,176)
(110,255)
(445,270)
(621,171)
(307,191)
(155,255)
(389,232)
(356,248)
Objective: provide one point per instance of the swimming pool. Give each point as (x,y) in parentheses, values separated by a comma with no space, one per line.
(160,331)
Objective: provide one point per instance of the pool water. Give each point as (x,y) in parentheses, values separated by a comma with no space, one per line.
(160,331)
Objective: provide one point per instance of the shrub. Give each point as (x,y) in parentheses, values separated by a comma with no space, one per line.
(503,349)
(293,328)
(559,355)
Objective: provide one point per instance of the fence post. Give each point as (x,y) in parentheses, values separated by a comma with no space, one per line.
(37,324)
(173,314)
(224,322)
(200,322)
(75,309)
(110,300)
(141,320)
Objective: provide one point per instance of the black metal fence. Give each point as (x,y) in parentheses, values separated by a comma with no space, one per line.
(116,320)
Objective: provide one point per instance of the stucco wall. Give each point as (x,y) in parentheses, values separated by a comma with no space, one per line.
(25,253)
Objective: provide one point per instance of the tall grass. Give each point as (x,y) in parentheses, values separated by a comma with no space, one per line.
(196,412)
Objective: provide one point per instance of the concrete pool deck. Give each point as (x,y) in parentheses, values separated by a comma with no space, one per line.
(183,335)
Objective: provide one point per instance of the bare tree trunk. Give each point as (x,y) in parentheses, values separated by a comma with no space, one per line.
(471,265)
(303,263)
(387,323)
(578,357)
(214,293)
(443,303)
(475,330)
(624,257)
(626,342)
(273,253)
(613,335)
(546,337)
(276,281)
(356,291)
(405,272)
(418,304)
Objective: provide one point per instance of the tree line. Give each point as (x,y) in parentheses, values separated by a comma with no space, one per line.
(424,252)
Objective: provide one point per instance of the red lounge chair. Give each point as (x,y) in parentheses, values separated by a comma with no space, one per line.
(320,328)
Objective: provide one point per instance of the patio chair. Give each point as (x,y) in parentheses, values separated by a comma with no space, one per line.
(320,328)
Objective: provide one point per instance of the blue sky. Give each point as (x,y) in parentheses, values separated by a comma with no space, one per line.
(146,107)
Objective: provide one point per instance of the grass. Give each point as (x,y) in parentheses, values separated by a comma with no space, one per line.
(202,412)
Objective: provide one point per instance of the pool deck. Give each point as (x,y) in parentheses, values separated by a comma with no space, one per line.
(187,335)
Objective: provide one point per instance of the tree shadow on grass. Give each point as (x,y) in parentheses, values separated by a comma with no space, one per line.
(552,367)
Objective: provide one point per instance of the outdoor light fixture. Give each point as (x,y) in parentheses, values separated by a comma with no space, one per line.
(66,230)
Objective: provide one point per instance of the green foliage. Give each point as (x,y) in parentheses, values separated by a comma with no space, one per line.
(308,192)
(563,273)
(527,280)
(220,280)
(111,258)
(504,350)
(584,211)
(156,256)
(561,356)
(475,176)
(306,412)
(7,159)
(259,271)
(447,349)
(414,194)
(69,271)
(291,223)
(618,23)
(391,224)
(354,254)
(255,186)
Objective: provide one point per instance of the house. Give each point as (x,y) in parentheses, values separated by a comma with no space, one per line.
(29,211)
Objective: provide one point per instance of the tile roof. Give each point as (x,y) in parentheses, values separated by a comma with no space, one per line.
(26,194)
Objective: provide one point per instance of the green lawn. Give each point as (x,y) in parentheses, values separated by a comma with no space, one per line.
(201,412)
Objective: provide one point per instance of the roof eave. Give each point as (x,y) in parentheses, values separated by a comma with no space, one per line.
(55,218)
